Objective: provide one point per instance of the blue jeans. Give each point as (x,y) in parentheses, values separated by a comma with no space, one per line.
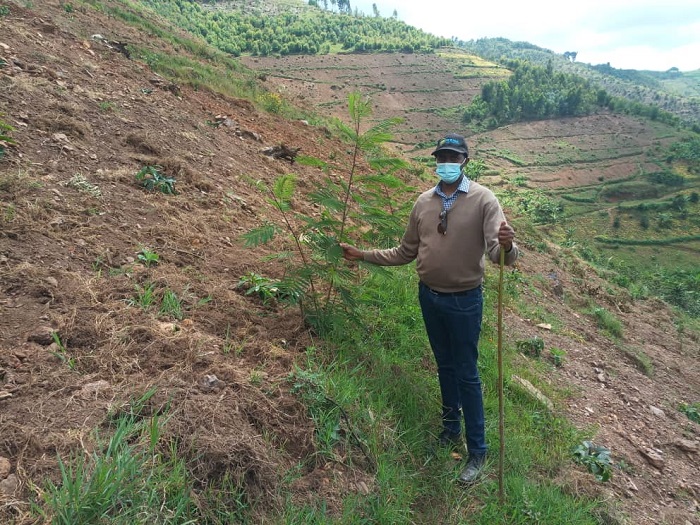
(453,324)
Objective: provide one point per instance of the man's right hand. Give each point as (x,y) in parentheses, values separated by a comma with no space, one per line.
(351,253)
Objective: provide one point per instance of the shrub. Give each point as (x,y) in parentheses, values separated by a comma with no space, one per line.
(152,179)
(596,458)
(692,411)
(532,347)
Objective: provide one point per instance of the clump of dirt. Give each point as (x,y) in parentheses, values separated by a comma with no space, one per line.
(78,337)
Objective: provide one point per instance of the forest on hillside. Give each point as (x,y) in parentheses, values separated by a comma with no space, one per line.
(310,30)
(539,87)
(533,92)
(671,91)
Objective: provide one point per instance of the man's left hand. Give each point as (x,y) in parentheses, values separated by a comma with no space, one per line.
(506,234)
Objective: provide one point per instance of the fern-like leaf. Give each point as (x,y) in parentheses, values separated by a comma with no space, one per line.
(346,132)
(328,198)
(379,133)
(388,181)
(261,235)
(387,164)
(306,160)
(279,256)
(284,187)
(359,107)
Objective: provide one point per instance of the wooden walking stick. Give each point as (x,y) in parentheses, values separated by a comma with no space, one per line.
(501,411)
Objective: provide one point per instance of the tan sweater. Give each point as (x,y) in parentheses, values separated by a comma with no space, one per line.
(455,261)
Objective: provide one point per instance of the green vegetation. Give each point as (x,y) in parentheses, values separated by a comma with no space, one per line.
(375,408)
(145,296)
(61,352)
(80,183)
(194,62)
(537,204)
(152,179)
(622,91)
(686,150)
(315,278)
(5,139)
(310,30)
(557,356)
(392,426)
(129,478)
(531,347)
(691,410)
(596,458)
(607,321)
(266,289)
(171,305)
(148,257)
(534,92)
(642,361)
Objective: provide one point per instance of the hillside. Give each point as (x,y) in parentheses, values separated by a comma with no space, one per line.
(78,235)
(673,91)
(427,90)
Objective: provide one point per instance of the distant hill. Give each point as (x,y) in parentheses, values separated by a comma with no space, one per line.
(673,91)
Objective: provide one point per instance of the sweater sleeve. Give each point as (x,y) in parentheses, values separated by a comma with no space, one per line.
(493,217)
(404,253)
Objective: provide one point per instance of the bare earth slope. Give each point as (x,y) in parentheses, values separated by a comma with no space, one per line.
(427,92)
(68,264)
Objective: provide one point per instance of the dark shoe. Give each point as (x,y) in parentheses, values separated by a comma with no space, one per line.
(449,439)
(472,471)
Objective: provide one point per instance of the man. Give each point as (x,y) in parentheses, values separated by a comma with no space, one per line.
(450,229)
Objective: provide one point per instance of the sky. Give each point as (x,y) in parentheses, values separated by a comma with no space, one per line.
(628,34)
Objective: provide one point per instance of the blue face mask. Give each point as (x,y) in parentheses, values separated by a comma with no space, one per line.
(449,172)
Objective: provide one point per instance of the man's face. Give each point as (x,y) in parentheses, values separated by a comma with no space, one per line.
(447,155)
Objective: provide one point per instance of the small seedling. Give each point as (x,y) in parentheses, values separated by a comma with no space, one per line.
(5,139)
(148,258)
(4,10)
(596,458)
(62,353)
(152,179)
(171,305)
(607,321)
(691,410)
(531,347)
(145,296)
(265,288)
(9,214)
(256,378)
(557,356)
(228,345)
(80,183)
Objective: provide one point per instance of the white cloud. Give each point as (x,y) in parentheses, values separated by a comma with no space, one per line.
(629,34)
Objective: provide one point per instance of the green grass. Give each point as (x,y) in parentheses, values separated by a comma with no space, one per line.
(373,396)
(641,360)
(381,376)
(127,479)
(171,305)
(607,321)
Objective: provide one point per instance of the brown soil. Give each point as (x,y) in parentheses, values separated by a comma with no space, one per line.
(426,92)
(68,263)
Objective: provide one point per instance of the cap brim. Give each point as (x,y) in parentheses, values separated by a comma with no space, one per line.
(448,148)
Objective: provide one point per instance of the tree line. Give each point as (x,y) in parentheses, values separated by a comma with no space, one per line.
(310,30)
(534,92)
